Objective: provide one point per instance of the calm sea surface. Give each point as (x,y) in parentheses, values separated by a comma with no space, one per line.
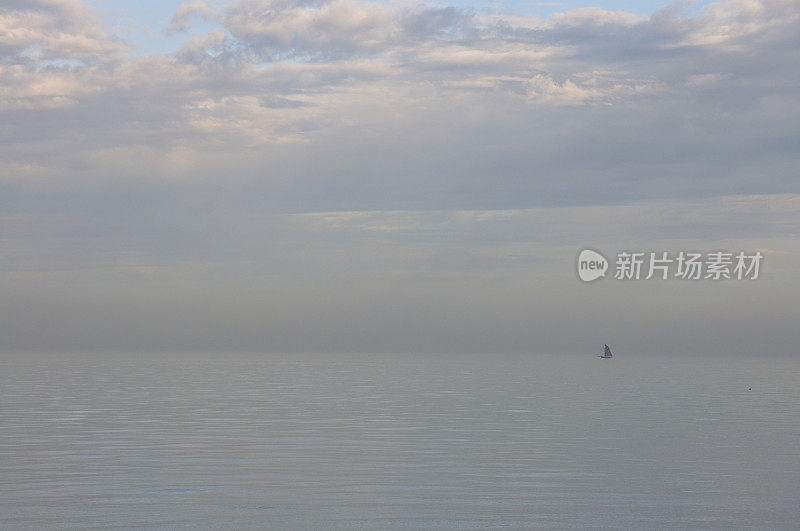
(386,441)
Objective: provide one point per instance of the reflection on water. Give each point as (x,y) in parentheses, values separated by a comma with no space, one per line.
(376,440)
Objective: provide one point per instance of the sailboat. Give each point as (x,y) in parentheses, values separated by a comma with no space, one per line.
(606,354)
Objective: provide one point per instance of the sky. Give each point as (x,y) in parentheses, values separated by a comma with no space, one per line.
(345,175)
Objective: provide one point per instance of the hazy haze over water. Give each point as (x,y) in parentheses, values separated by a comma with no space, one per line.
(378,440)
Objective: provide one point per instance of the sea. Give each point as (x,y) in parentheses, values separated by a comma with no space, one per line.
(388,441)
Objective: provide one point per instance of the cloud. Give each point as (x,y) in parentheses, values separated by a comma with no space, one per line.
(41,30)
(664,89)
(280,29)
(187,12)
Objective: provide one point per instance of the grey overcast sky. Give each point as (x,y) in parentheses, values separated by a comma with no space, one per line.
(346,175)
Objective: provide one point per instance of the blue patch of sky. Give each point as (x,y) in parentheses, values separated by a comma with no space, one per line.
(143,23)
